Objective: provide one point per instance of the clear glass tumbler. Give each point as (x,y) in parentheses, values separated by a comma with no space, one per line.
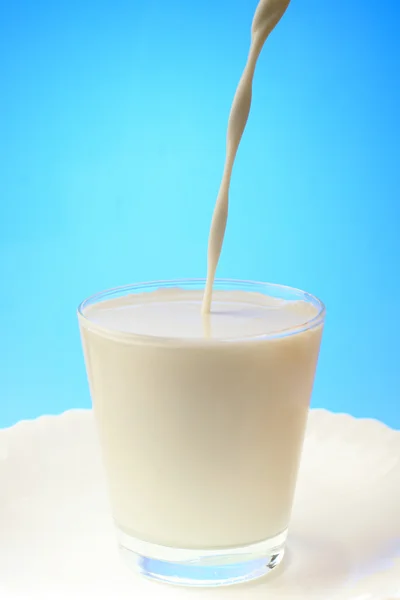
(201,435)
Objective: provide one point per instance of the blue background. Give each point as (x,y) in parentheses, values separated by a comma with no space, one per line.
(111,153)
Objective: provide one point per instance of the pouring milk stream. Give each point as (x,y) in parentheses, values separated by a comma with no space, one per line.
(267,15)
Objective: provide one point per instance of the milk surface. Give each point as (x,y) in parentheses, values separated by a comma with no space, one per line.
(175,313)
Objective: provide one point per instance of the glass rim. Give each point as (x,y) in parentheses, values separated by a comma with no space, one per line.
(315,321)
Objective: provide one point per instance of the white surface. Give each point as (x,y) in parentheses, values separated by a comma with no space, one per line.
(57,539)
(175,314)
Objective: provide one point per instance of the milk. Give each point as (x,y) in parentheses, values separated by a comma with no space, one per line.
(267,15)
(201,399)
(201,436)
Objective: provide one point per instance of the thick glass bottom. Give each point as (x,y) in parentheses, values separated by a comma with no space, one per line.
(202,568)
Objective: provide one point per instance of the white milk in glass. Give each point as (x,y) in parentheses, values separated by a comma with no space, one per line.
(201,435)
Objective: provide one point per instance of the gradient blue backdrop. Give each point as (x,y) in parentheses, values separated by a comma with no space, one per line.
(111,152)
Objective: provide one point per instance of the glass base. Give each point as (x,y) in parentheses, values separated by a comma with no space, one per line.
(202,568)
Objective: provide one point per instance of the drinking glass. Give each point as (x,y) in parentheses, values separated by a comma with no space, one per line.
(201,437)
